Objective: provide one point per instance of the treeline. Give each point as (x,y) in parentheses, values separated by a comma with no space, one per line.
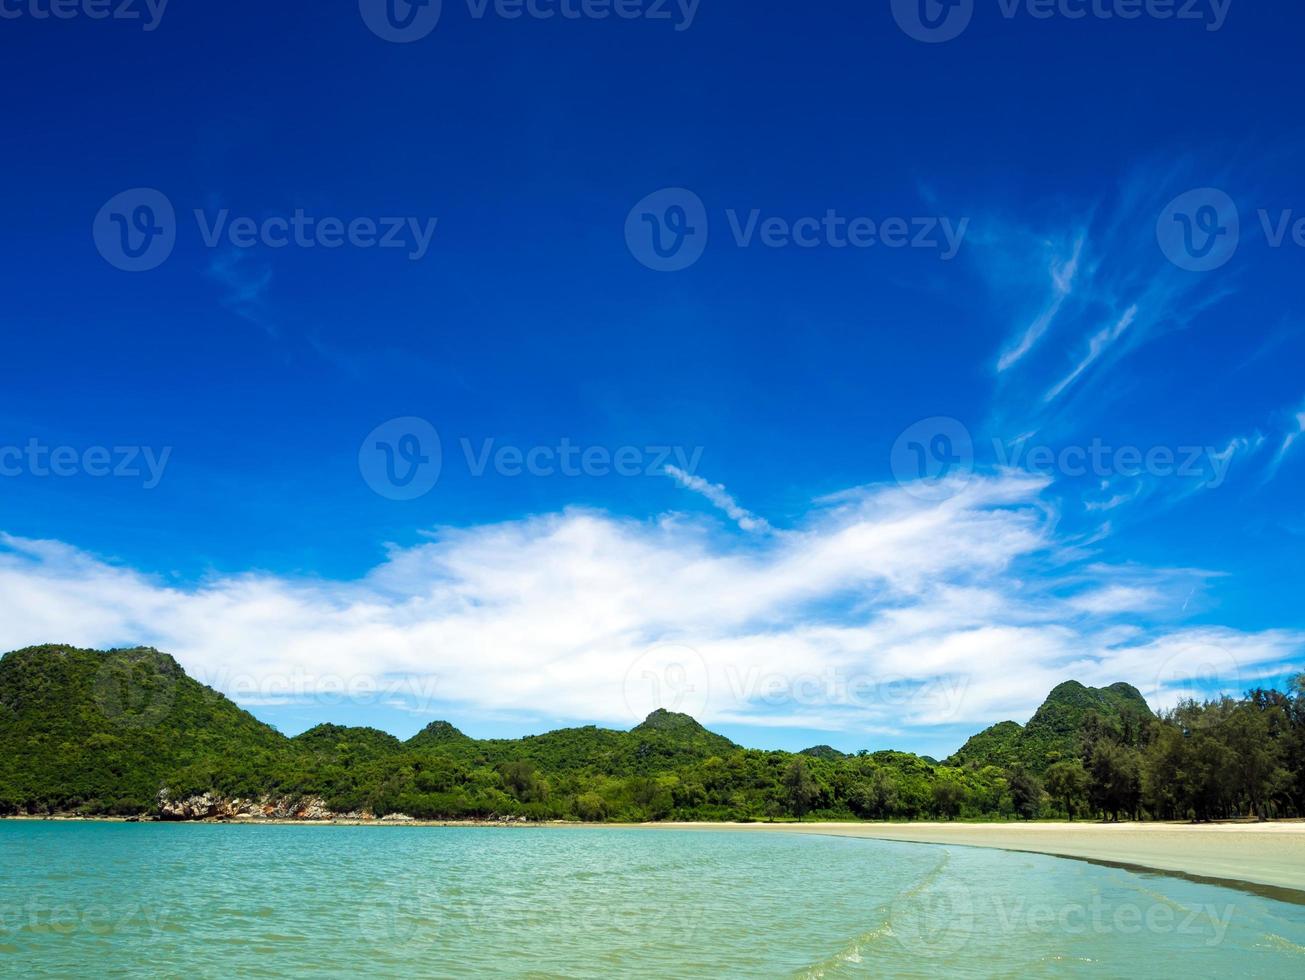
(1202,761)
(1217,760)
(743,784)
(104,733)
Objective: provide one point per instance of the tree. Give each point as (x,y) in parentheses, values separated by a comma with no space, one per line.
(1025,793)
(801,789)
(948,795)
(1067,782)
(1257,772)
(1164,773)
(591,807)
(874,795)
(1116,779)
(521,780)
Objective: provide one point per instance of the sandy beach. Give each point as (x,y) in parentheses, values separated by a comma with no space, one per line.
(1268,856)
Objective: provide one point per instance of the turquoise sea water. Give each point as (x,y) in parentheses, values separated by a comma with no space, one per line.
(210,901)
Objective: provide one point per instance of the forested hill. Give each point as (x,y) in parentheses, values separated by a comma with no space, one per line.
(1056,731)
(128,732)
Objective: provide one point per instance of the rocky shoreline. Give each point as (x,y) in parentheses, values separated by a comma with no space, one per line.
(212,808)
(208,806)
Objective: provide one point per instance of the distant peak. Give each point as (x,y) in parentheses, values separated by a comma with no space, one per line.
(437,731)
(823,752)
(1066,688)
(1127,690)
(661,718)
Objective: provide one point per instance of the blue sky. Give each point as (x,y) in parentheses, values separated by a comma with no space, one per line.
(1052,315)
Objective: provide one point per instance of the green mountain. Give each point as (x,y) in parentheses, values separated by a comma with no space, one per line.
(1054,732)
(127,732)
(348,745)
(105,732)
(436,733)
(86,729)
(680,729)
(823,752)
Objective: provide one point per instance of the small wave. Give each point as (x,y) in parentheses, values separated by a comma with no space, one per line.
(1284,945)
(853,952)
(849,954)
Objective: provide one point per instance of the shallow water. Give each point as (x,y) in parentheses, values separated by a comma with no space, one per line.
(145,899)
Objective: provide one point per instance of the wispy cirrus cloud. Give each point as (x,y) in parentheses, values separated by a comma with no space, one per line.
(719,497)
(1062,271)
(1104,290)
(1098,344)
(245,286)
(1291,438)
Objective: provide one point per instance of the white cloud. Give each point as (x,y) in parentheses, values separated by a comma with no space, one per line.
(876,613)
(719,497)
(1111,293)
(1098,344)
(1062,284)
(1290,438)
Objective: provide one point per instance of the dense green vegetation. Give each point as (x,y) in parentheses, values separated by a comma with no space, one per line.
(103,733)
